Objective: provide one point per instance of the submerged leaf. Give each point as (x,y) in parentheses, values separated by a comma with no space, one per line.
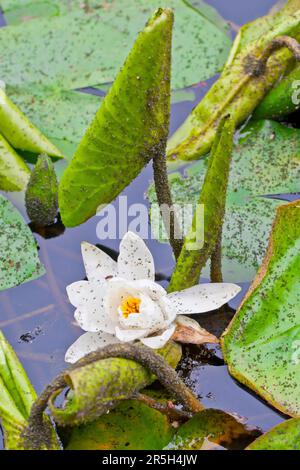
(216,425)
(284,436)
(237,92)
(197,247)
(262,343)
(98,387)
(130,426)
(41,194)
(19,260)
(130,127)
(14,173)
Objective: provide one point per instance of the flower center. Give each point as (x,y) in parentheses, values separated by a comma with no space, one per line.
(130,305)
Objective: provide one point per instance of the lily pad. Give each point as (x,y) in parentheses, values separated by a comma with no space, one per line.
(130,426)
(266,160)
(213,426)
(31,51)
(262,344)
(19,260)
(284,436)
(14,174)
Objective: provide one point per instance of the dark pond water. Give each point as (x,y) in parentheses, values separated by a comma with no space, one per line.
(37,318)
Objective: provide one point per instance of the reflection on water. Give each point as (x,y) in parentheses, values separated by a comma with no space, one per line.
(37,318)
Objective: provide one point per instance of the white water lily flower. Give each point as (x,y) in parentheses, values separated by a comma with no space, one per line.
(120,301)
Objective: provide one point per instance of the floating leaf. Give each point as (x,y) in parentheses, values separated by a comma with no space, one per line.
(200,47)
(16,398)
(41,194)
(197,247)
(237,92)
(215,425)
(14,174)
(265,160)
(284,436)
(20,132)
(129,129)
(130,426)
(262,343)
(19,260)
(97,387)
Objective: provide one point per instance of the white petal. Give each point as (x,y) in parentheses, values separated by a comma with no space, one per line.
(135,260)
(203,297)
(130,335)
(157,342)
(150,316)
(87,343)
(77,292)
(98,265)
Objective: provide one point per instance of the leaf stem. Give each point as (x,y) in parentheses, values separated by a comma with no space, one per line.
(36,435)
(164,199)
(216,261)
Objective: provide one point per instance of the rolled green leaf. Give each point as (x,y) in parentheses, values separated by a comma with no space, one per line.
(16,398)
(283,99)
(237,92)
(262,343)
(98,387)
(14,173)
(198,248)
(41,194)
(20,132)
(129,129)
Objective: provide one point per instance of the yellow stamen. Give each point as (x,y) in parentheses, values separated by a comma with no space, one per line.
(130,305)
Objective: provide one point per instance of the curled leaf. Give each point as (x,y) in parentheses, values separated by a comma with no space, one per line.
(237,92)
(20,132)
(41,194)
(97,387)
(130,127)
(14,173)
(200,241)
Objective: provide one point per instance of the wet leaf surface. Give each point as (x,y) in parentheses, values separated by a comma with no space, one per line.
(284,436)
(38,59)
(261,345)
(216,426)
(129,129)
(130,426)
(266,160)
(19,260)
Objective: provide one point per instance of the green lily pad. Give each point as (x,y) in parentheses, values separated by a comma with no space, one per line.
(130,426)
(214,426)
(31,51)
(266,160)
(262,344)
(19,261)
(284,436)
